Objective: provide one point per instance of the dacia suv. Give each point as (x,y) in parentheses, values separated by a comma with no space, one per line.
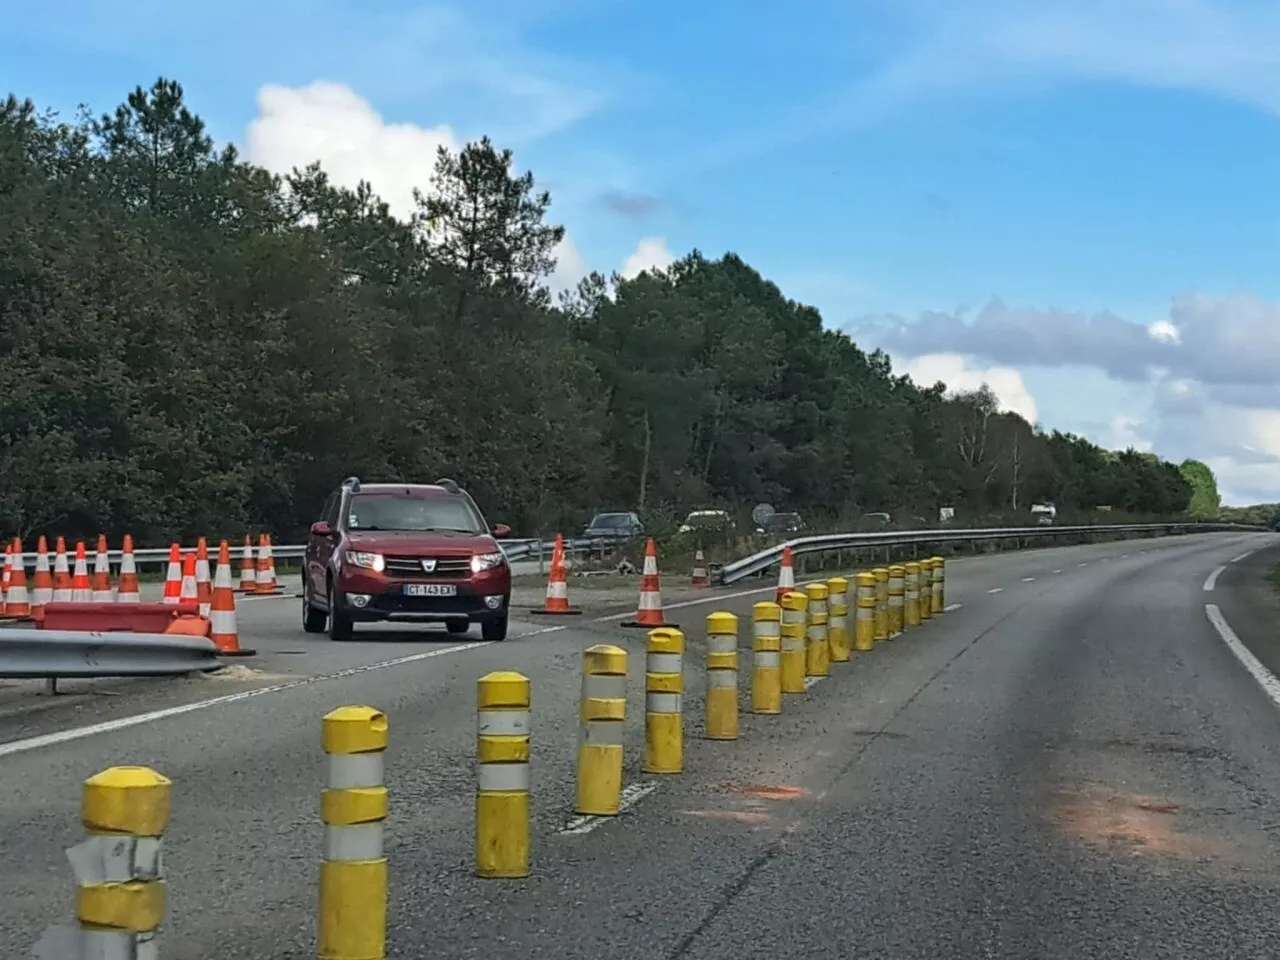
(404,552)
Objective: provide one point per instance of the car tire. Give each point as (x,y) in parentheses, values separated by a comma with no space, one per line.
(457,626)
(495,629)
(341,626)
(313,620)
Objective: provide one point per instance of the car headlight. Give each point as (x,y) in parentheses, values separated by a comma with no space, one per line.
(370,561)
(487,561)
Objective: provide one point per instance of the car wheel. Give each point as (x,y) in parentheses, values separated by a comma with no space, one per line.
(313,620)
(457,626)
(495,629)
(341,626)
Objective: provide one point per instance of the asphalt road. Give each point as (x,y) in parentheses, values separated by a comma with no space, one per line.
(1072,763)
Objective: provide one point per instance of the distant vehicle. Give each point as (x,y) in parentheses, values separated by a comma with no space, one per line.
(614,526)
(708,521)
(404,552)
(875,520)
(781,525)
(1045,513)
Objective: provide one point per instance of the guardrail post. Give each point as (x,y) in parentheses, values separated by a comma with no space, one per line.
(502,775)
(939,585)
(601,715)
(864,626)
(911,603)
(766,658)
(838,619)
(897,597)
(353,873)
(882,602)
(817,649)
(926,589)
(663,702)
(794,608)
(722,677)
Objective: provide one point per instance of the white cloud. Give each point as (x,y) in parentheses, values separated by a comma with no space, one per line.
(571,266)
(650,253)
(959,372)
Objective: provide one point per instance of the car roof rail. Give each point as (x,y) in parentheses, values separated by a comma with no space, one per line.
(353,483)
(450,485)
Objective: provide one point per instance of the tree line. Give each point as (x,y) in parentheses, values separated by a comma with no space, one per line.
(196,345)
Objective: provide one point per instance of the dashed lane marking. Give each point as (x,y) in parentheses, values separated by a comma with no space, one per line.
(1241,557)
(1211,581)
(951,607)
(995,589)
(1028,579)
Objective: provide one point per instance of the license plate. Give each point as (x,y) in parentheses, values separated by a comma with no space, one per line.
(430,590)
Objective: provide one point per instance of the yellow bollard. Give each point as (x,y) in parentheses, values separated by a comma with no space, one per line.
(120,899)
(897,596)
(882,602)
(911,600)
(722,677)
(502,775)
(838,619)
(794,607)
(817,651)
(766,658)
(353,873)
(864,626)
(601,714)
(924,589)
(939,585)
(663,706)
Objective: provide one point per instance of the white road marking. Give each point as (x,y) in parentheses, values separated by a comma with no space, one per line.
(951,607)
(1028,579)
(995,589)
(1266,679)
(1124,556)
(1211,581)
(1085,564)
(123,723)
(631,795)
(1241,557)
(1057,571)
(809,682)
(712,598)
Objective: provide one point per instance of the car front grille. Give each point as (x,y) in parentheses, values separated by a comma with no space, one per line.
(447,568)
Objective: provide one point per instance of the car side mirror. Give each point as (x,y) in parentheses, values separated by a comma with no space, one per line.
(321,528)
(501,531)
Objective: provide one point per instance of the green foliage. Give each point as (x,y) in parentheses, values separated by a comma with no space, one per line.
(1206,502)
(194,345)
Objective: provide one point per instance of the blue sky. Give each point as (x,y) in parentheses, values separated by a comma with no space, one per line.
(1008,190)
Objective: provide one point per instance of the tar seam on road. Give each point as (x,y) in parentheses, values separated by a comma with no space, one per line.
(1266,679)
(631,795)
(123,723)
(1211,581)
(769,853)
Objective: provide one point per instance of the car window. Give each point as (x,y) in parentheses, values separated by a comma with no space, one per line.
(330,512)
(611,520)
(375,511)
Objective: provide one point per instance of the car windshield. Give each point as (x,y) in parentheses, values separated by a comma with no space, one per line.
(611,520)
(373,511)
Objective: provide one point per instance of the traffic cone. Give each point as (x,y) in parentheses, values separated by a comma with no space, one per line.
(16,601)
(786,575)
(248,572)
(6,575)
(173,576)
(266,567)
(102,573)
(204,588)
(187,592)
(557,599)
(61,574)
(81,591)
(129,592)
(699,578)
(222,609)
(649,612)
(43,592)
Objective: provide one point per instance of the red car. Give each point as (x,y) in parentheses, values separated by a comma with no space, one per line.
(404,552)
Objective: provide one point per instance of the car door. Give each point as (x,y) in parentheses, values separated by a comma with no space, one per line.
(320,549)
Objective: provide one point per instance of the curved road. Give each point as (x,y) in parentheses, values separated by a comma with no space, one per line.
(1073,763)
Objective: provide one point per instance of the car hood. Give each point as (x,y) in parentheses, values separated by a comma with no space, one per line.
(436,543)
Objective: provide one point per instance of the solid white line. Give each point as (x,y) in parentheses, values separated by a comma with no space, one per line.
(995,589)
(123,723)
(1211,581)
(952,606)
(1028,579)
(1266,679)
(1241,557)
(713,598)
(631,795)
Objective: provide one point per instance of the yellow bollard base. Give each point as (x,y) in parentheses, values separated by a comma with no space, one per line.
(353,910)
(502,835)
(766,691)
(793,672)
(722,714)
(599,790)
(663,743)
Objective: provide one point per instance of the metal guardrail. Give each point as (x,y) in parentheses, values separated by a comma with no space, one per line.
(761,561)
(27,654)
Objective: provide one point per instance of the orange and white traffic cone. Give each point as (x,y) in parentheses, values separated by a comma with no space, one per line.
(173,576)
(81,590)
(187,592)
(102,574)
(248,571)
(786,575)
(17,603)
(699,578)
(61,574)
(129,592)
(204,587)
(6,575)
(222,609)
(43,584)
(557,599)
(266,567)
(649,611)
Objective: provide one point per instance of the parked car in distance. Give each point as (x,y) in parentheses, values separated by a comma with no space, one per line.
(707,521)
(404,552)
(614,526)
(781,525)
